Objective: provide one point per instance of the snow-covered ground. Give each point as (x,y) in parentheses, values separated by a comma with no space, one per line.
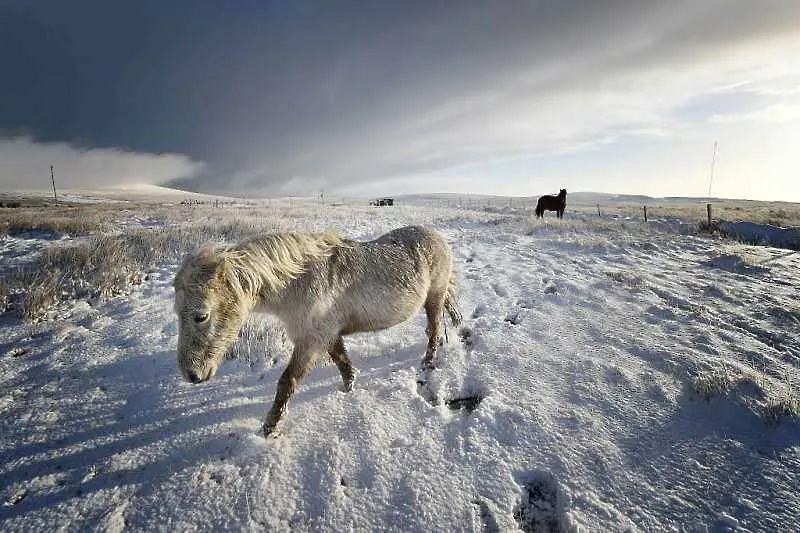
(762,234)
(595,349)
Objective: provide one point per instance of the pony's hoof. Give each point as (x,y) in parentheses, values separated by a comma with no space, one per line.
(270,432)
(428,364)
(348,386)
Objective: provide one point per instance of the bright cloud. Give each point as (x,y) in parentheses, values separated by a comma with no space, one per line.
(25,165)
(771,114)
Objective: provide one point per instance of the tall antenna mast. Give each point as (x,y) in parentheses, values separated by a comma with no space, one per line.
(711,177)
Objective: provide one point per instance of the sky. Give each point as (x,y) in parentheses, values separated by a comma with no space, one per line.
(519,98)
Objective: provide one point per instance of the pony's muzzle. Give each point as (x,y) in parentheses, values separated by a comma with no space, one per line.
(193,376)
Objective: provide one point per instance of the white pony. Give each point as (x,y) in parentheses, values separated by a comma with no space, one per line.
(320,286)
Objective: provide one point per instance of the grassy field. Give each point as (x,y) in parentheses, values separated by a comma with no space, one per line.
(102,248)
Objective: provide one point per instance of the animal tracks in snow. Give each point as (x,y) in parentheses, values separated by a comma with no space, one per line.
(499,290)
(542,508)
(427,384)
(455,369)
(466,337)
(486,521)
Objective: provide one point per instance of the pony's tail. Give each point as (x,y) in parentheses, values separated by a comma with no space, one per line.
(450,302)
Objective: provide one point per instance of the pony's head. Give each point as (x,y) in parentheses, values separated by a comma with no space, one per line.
(211,305)
(563,193)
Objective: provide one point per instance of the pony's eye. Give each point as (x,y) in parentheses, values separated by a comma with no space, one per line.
(200,317)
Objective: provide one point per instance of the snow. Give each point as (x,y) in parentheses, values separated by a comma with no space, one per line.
(762,234)
(582,339)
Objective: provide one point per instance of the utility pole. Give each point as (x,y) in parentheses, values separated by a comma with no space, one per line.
(711,177)
(53,178)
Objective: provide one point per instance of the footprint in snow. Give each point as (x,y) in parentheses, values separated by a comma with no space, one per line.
(500,290)
(465,404)
(488,523)
(542,507)
(428,383)
(466,336)
(524,304)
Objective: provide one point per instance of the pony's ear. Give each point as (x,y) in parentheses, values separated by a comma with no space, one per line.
(208,261)
(204,254)
(226,273)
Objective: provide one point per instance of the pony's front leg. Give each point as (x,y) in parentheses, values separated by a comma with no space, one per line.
(302,361)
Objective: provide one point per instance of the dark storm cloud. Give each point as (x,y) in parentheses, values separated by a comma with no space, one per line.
(293,97)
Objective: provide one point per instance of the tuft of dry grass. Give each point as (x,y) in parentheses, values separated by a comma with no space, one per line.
(43,291)
(627,278)
(771,399)
(58,221)
(713,382)
(103,266)
(5,295)
(785,404)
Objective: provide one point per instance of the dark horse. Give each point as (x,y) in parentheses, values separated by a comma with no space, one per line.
(552,203)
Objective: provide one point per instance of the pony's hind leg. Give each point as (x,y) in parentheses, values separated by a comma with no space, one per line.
(302,361)
(339,356)
(434,306)
(451,307)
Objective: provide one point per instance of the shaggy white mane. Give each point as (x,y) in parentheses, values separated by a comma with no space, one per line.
(271,261)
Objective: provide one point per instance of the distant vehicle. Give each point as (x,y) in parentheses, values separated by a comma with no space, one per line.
(381,202)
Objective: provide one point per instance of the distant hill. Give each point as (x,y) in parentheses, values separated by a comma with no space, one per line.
(128,192)
(589,198)
(574,198)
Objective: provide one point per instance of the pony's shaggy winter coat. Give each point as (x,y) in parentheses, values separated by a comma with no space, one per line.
(320,286)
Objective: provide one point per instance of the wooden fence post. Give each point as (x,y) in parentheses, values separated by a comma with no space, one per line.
(708,208)
(598,210)
(53,178)
(645,213)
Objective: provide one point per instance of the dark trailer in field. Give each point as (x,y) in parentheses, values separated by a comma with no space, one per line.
(380,202)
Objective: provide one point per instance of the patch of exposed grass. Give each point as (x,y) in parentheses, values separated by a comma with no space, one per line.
(106,265)
(771,399)
(5,295)
(783,405)
(629,279)
(712,383)
(43,291)
(61,221)
(100,266)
